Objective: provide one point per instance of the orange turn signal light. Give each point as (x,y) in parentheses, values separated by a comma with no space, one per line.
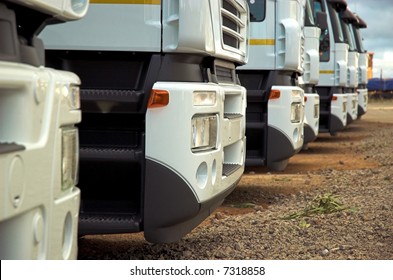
(334,98)
(274,94)
(158,98)
(305,99)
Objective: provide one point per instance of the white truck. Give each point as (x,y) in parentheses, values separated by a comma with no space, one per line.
(333,69)
(162,137)
(275,102)
(39,108)
(308,81)
(362,65)
(347,18)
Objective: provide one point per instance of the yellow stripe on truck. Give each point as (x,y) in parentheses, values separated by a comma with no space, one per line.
(326,71)
(262,42)
(145,2)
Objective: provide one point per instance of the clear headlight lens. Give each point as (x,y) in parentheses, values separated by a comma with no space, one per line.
(316,111)
(204,98)
(296,112)
(203,132)
(79,6)
(74,97)
(69,157)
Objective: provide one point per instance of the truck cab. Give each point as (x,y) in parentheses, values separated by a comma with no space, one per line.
(313,24)
(362,64)
(162,137)
(333,68)
(348,18)
(39,108)
(275,102)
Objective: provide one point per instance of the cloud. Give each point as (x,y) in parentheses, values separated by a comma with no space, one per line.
(378,36)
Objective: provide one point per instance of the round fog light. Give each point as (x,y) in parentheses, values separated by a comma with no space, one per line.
(296,134)
(201,175)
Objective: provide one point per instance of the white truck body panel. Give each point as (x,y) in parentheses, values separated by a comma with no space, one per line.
(203,169)
(339,107)
(61,9)
(352,105)
(143,32)
(353,64)
(311,59)
(274,43)
(363,93)
(38,220)
(311,111)
(279,114)
(363,65)
(363,98)
(334,72)
(180,32)
(184,34)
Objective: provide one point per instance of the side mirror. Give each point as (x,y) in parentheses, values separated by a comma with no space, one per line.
(322,20)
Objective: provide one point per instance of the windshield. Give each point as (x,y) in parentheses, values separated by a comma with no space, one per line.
(339,37)
(347,35)
(309,14)
(358,40)
(257,10)
(352,35)
(324,41)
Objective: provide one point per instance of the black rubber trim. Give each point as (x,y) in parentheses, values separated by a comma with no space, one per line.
(172,210)
(6,148)
(280,147)
(335,124)
(361,111)
(309,134)
(349,118)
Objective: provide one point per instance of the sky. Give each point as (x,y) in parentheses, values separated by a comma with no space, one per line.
(378,37)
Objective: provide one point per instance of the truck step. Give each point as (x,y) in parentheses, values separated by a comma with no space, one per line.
(123,154)
(101,224)
(324,113)
(255,125)
(108,100)
(254,161)
(10,148)
(229,168)
(232,116)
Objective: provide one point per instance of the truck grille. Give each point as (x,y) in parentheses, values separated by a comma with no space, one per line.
(234,21)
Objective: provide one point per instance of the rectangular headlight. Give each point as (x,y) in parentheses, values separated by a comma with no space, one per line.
(296,112)
(316,111)
(203,132)
(74,97)
(204,98)
(69,158)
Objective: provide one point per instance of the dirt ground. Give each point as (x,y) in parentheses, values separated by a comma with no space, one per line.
(262,194)
(326,153)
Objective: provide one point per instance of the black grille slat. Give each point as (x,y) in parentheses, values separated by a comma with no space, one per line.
(232,24)
(225,74)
